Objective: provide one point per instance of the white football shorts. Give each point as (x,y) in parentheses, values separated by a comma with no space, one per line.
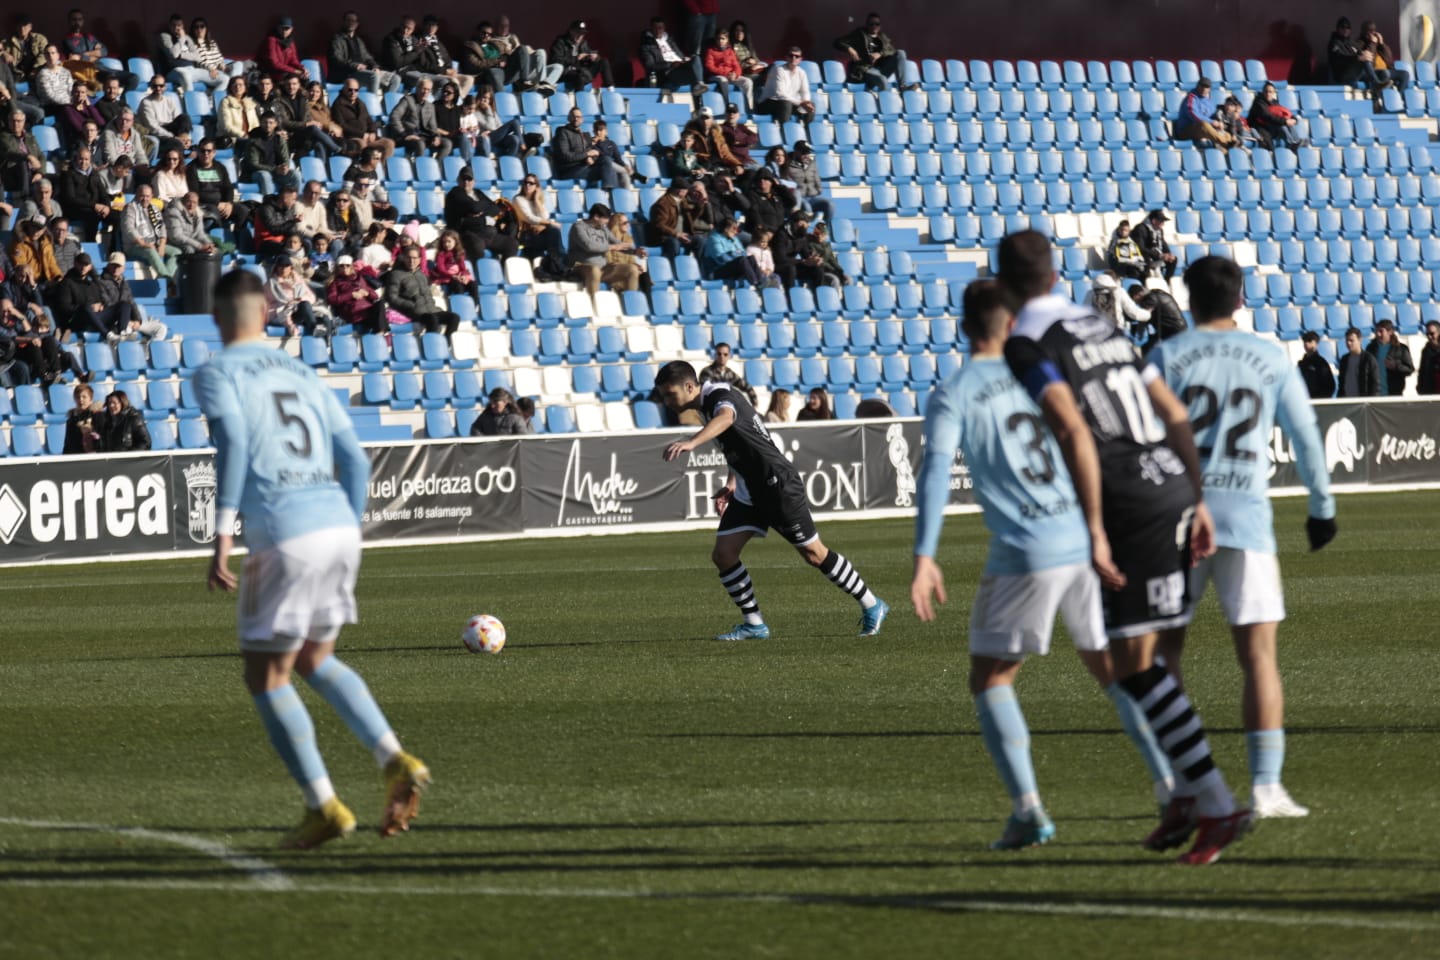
(1246,582)
(1014,614)
(298,590)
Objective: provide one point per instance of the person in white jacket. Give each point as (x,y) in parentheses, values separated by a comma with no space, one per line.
(1108,299)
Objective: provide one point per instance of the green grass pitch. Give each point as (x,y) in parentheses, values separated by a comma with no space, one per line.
(616,785)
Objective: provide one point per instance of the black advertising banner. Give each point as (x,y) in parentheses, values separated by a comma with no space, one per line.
(86,507)
(831,462)
(893,452)
(1402,446)
(607,481)
(438,490)
(1343,430)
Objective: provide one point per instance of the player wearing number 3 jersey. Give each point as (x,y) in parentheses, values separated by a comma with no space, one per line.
(1126,439)
(280,439)
(1238,387)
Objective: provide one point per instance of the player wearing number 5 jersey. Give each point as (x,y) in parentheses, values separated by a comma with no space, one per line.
(1126,439)
(1238,387)
(280,439)
(1039,559)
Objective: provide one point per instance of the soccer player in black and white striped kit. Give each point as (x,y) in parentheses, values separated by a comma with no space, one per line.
(763,492)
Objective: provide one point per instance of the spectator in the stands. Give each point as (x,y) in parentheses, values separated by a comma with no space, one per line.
(574,157)
(322,126)
(112,100)
(80,306)
(786,92)
(276,221)
(407,292)
(493,64)
(448,109)
(267,162)
(350,58)
(625,251)
(500,418)
(1229,120)
(209,178)
(1343,55)
(769,203)
(25,48)
(80,433)
(796,258)
(25,324)
(163,114)
(1166,318)
(729,201)
(1376,58)
(33,249)
(343,223)
(118,180)
(590,242)
(1315,369)
(1359,373)
(217,66)
(78,112)
(817,406)
(1109,299)
(525,66)
(279,57)
(719,371)
(435,58)
(91,140)
(1150,237)
(413,125)
(579,63)
(400,51)
(371,202)
(1428,381)
(169,181)
(684,160)
(41,206)
(800,170)
(610,152)
(1124,256)
(873,58)
(178,57)
(759,251)
(185,228)
(12,99)
(722,67)
(52,83)
(122,139)
(143,236)
(525,406)
(306,132)
(122,427)
(779,411)
(82,50)
(1392,358)
(539,233)
(83,196)
(353,117)
(835,274)
(1196,120)
(666,66)
(494,136)
(354,298)
(1275,124)
(114,288)
(667,224)
(710,146)
(450,269)
(64,243)
(238,113)
(291,301)
(474,216)
(700,218)
(723,256)
(750,61)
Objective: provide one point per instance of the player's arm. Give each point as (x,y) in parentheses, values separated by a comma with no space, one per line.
(722,420)
(1179,438)
(1297,418)
(1077,446)
(942,437)
(228,431)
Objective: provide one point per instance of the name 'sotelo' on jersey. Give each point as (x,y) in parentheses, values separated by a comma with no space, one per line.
(1178,364)
(1098,354)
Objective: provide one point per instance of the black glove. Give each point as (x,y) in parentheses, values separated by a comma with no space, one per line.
(1320,532)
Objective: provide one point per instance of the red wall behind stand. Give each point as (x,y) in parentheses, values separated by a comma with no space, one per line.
(1281,32)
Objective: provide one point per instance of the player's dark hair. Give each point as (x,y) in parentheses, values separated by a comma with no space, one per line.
(676,372)
(986,311)
(1215,284)
(1026,268)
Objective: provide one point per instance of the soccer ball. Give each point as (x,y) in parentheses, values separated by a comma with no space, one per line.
(483,634)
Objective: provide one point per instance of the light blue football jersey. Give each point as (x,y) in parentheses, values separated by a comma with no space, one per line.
(1016,469)
(280,437)
(1237,387)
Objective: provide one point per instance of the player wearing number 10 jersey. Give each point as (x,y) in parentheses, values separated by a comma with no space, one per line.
(280,437)
(1126,439)
(1237,387)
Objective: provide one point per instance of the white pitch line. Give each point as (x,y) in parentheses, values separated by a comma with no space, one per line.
(263,875)
(1082,909)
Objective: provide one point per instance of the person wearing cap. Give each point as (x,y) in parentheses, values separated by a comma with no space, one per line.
(470,213)
(590,244)
(77,303)
(874,61)
(787,91)
(25,48)
(666,67)
(1150,238)
(350,58)
(723,257)
(115,291)
(143,235)
(1196,120)
(1392,358)
(279,57)
(579,63)
(740,138)
(354,298)
(722,67)
(797,259)
(1315,370)
(710,147)
(668,223)
(1343,54)
(800,170)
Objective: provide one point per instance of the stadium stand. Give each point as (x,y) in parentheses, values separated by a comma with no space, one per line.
(922,183)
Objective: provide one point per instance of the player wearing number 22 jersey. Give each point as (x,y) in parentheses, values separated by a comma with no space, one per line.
(1237,388)
(280,440)
(1126,439)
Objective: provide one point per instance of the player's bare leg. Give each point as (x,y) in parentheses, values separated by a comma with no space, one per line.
(1007,739)
(736,580)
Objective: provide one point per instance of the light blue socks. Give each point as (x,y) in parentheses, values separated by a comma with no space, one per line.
(1266,750)
(1002,727)
(347,694)
(1137,728)
(293,735)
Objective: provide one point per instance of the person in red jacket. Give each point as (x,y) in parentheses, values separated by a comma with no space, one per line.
(699,24)
(1274,122)
(279,57)
(722,67)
